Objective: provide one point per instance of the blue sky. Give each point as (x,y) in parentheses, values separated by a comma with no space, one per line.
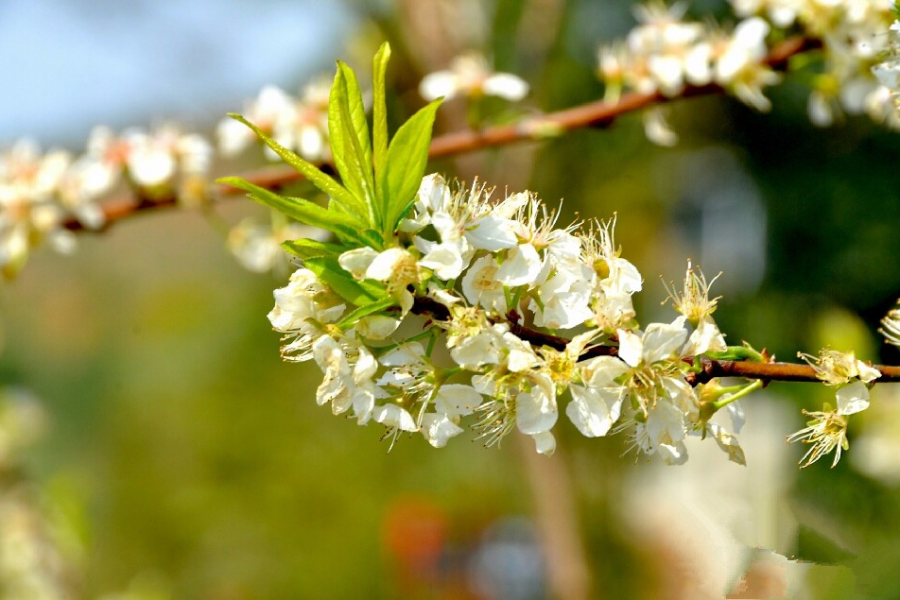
(71,64)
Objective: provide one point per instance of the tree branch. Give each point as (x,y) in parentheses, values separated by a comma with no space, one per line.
(592,114)
(710,368)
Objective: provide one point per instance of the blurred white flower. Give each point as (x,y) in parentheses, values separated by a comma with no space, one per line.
(257,246)
(267,109)
(470,75)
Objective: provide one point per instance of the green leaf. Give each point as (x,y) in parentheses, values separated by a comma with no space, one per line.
(318,178)
(372,238)
(305,248)
(379,115)
(364,311)
(300,209)
(349,136)
(360,293)
(406,160)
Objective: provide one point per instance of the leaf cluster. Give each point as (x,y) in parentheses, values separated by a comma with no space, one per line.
(379,179)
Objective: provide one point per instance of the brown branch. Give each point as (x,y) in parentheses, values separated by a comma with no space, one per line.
(774,371)
(711,368)
(592,114)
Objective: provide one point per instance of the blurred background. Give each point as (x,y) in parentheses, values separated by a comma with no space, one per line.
(180,458)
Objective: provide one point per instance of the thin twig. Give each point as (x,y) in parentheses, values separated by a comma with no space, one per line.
(592,114)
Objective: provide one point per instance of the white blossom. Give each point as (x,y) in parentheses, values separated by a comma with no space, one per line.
(826,431)
(469,75)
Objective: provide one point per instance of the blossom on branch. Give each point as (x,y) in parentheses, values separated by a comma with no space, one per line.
(469,75)
(827,429)
(297,123)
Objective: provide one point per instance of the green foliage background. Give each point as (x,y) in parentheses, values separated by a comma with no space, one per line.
(185,454)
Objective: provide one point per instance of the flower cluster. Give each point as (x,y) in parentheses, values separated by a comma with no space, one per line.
(854,37)
(39,191)
(31,564)
(473,284)
(666,52)
(297,123)
(826,430)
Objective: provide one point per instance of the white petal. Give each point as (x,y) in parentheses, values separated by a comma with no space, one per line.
(407,354)
(697,64)
(853,398)
(657,128)
(457,400)
(363,402)
(521,267)
(706,338)
(631,347)
(668,73)
(233,137)
(520,356)
(603,370)
(673,454)
(867,373)
(593,411)
(544,443)
(63,241)
(445,260)
(433,192)
(663,340)
(365,366)
(624,278)
(665,424)
(751,32)
(562,312)
(728,443)
(888,73)
(680,393)
(736,412)
(441,295)
(440,83)
(392,415)
(819,110)
(357,261)
(151,167)
(311,143)
(477,350)
(491,233)
(437,429)
(377,327)
(505,85)
(329,355)
(384,266)
(480,285)
(536,411)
